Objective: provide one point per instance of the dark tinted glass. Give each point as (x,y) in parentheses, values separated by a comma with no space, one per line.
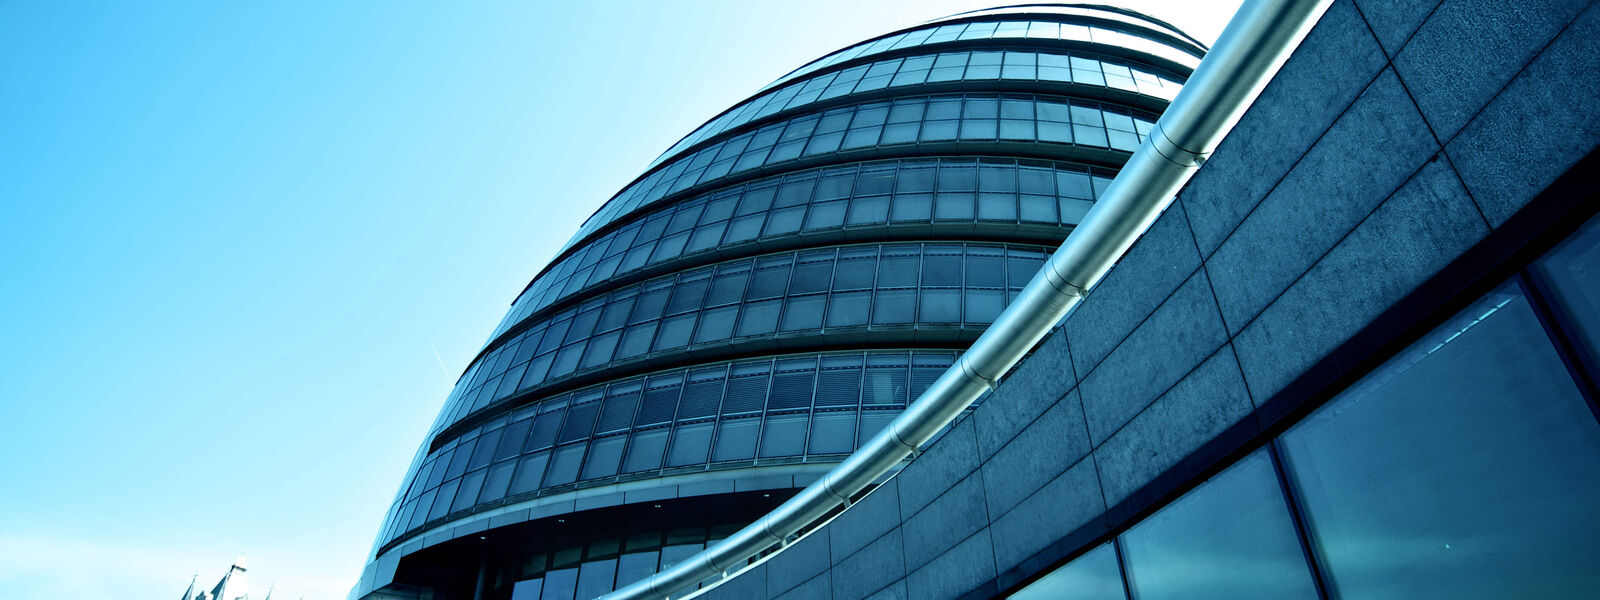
(1572,272)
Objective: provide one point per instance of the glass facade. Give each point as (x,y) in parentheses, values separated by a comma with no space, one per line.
(1106,30)
(865,287)
(1031,125)
(990,197)
(1013,65)
(795,406)
(769,294)
(1467,466)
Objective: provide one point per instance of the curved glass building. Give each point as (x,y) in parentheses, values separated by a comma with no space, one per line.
(770,292)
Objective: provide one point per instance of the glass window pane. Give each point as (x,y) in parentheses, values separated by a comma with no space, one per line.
(603,457)
(516,434)
(636,566)
(689,443)
(677,553)
(869,210)
(825,215)
(596,577)
(812,275)
(803,312)
(675,331)
(527,590)
(564,465)
(529,473)
(1093,576)
(894,306)
(832,432)
(848,308)
(644,452)
(1467,466)
(954,206)
(984,305)
(873,421)
(912,207)
(560,584)
(940,306)
(716,325)
(1572,272)
(467,494)
(759,318)
(839,383)
(785,435)
(441,503)
(1232,537)
(747,388)
(545,428)
(494,487)
(736,439)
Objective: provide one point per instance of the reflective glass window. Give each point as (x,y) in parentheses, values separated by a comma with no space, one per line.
(1093,576)
(560,584)
(840,205)
(702,396)
(872,421)
(885,380)
(441,503)
(1232,537)
(848,309)
(1572,273)
(596,577)
(645,450)
(603,458)
(497,481)
(1467,466)
(564,463)
(832,432)
(689,444)
(759,318)
(784,435)
(736,439)
(636,566)
(580,420)
(528,589)
(530,473)
(516,435)
(792,384)
(467,493)
(803,312)
(676,553)
(717,324)
(636,340)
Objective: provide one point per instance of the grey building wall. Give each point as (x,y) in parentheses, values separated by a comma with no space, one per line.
(1398,137)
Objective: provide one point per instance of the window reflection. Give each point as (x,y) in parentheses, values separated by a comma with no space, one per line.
(596,578)
(845,287)
(1093,576)
(1232,537)
(1572,273)
(869,193)
(764,409)
(944,67)
(1467,466)
(943,118)
(560,584)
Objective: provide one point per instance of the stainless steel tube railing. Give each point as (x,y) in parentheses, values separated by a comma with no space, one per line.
(1249,52)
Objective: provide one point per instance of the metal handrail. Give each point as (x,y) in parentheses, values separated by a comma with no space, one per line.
(1249,52)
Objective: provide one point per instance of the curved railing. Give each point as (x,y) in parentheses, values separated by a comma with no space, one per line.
(1251,49)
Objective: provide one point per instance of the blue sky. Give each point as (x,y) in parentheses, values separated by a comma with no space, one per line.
(233,236)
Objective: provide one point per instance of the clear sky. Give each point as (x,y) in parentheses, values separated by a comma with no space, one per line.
(246,247)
